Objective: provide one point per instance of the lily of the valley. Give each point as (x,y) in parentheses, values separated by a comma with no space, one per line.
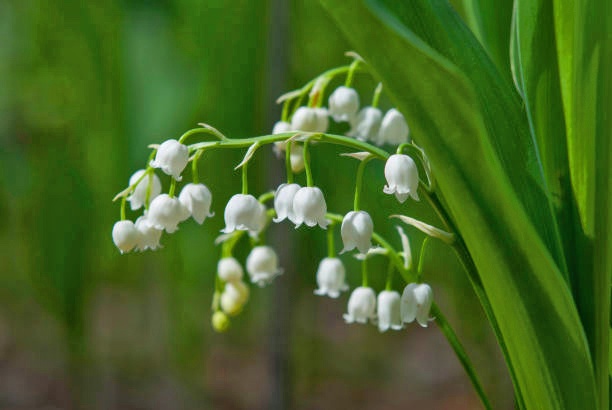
(229,270)
(343,103)
(309,119)
(283,202)
(234,297)
(309,207)
(149,235)
(356,231)
(361,306)
(172,158)
(416,302)
(262,265)
(138,197)
(389,311)
(125,235)
(166,213)
(366,124)
(244,213)
(402,177)
(197,199)
(393,129)
(331,278)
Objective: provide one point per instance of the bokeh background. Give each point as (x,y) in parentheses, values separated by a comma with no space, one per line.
(84,88)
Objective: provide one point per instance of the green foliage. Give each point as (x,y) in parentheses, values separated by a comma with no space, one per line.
(505,170)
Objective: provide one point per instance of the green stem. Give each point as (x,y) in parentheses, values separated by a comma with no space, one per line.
(306,155)
(199,131)
(288,162)
(364,272)
(172,187)
(461,354)
(148,191)
(245,180)
(351,73)
(285,112)
(422,256)
(359,182)
(389,282)
(195,176)
(376,96)
(122,212)
(331,247)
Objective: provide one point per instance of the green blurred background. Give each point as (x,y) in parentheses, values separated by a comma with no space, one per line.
(84,88)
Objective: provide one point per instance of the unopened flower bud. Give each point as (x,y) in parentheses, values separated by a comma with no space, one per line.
(229,270)
(402,177)
(297,158)
(125,235)
(220,321)
(309,207)
(361,306)
(197,199)
(389,313)
(281,127)
(366,124)
(343,103)
(172,158)
(138,197)
(262,265)
(331,278)
(393,129)
(356,231)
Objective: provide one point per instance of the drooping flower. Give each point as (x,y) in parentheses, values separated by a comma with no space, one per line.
(283,202)
(260,221)
(309,119)
(243,213)
(416,303)
(125,235)
(361,306)
(139,195)
(281,127)
(389,312)
(331,278)
(262,265)
(149,235)
(197,199)
(166,213)
(356,231)
(366,124)
(402,177)
(297,158)
(229,270)
(234,297)
(309,207)
(393,129)
(343,103)
(172,158)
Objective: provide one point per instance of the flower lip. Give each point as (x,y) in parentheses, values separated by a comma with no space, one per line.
(356,231)
(172,158)
(138,197)
(262,265)
(283,202)
(243,213)
(402,177)
(343,103)
(166,212)
(389,311)
(331,278)
(309,207)
(361,305)
(197,199)
(393,129)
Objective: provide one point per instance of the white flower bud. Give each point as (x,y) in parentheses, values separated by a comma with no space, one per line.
(166,213)
(125,235)
(149,235)
(297,158)
(330,278)
(220,321)
(234,297)
(393,129)
(262,265)
(356,231)
(283,202)
(309,207)
(310,120)
(366,124)
(138,196)
(416,302)
(197,199)
(172,158)
(402,177)
(243,213)
(229,270)
(389,313)
(281,127)
(361,306)
(343,103)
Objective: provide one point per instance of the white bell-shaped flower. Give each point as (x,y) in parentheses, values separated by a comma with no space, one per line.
(402,177)
(149,235)
(309,119)
(366,124)
(166,213)
(281,127)
(361,306)
(356,231)
(283,202)
(309,207)
(172,158)
(229,270)
(389,312)
(262,265)
(235,295)
(244,213)
(416,303)
(343,103)
(125,235)
(297,158)
(331,278)
(197,199)
(393,129)
(139,195)
(261,221)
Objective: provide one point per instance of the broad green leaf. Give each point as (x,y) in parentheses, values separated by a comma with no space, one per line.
(538,325)
(584,48)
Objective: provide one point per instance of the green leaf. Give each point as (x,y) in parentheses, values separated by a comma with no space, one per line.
(538,325)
